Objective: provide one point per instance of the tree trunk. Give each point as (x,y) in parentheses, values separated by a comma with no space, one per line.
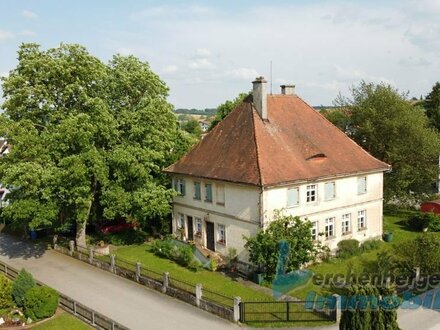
(81,228)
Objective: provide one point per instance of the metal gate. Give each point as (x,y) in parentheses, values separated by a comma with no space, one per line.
(283,311)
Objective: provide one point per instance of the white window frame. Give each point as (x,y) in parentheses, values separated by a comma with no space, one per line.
(329,228)
(181,221)
(206,193)
(329,198)
(362,181)
(297,194)
(346,224)
(199,197)
(220,194)
(362,220)
(314,230)
(199,228)
(221,234)
(312,193)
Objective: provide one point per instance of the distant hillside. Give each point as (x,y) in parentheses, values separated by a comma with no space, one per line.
(206,112)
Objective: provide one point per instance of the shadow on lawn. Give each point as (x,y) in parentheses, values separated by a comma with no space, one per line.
(15,248)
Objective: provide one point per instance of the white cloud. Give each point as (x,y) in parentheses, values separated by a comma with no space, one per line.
(4,35)
(27,33)
(162,11)
(170,69)
(203,52)
(247,74)
(29,14)
(200,64)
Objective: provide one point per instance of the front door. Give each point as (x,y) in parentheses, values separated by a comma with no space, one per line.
(210,243)
(190,229)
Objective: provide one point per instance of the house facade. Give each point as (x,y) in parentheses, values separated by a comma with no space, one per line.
(4,149)
(275,153)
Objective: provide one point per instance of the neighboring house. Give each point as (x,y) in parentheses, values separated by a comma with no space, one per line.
(275,152)
(4,149)
(204,125)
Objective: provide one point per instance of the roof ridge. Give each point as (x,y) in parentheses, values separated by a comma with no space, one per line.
(341,132)
(260,175)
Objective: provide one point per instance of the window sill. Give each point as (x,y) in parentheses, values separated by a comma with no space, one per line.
(221,242)
(197,199)
(330,238)
(362,229)
(206,201)
(362,193)
(292,206)
(346,233)
(221,204)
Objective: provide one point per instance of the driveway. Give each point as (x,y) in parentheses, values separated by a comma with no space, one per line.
(126,302)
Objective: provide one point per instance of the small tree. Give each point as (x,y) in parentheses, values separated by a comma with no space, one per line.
(23,283)
(5,292)
(40,302)
(264,247)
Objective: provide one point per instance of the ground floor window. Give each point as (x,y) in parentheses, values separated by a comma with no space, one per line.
(315,230)
(221,234)
(329,227)
(181,221)
(362,219)
(346,223)
(198,227)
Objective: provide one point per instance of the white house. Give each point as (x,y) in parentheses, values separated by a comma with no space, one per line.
(4,149)
(275,152)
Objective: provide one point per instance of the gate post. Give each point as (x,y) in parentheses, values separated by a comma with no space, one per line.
(112,263)
(237,307)
(198,294)
(165,281)
(91,255)
(138,271)
(71,247)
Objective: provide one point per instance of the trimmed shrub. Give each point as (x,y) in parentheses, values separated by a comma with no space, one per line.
(348,248)
(40,302)
(162,248)
(422,221)
(185,256)
(22,284)
(369,245)
(6,300)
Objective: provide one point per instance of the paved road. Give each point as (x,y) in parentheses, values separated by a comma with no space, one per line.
(122,300)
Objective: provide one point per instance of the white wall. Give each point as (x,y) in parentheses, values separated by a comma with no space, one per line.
(347,200)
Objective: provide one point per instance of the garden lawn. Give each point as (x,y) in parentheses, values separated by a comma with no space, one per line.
(212,281)
(394,223)
(63,320)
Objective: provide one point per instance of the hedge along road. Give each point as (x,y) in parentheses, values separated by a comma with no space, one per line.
(126,302)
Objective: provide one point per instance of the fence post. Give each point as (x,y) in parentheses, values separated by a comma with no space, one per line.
(237,301)
(93,318)
(55,241)
(337,307)
(74,307)
(165,281)
(6,269)
(91,255)
(71,247)
(112,263)
(198,294)
(138,271)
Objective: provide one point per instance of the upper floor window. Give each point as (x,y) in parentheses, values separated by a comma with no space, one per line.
(362,185)
(197,191)
(329,191)
(314,230)
(311,193)
(220,194)
(362,219)
(346,223)
(292,197)
(329,228)
(222,234)
(208,192)
(179,186)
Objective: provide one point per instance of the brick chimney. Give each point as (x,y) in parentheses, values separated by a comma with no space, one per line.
(259,96)
(288,89)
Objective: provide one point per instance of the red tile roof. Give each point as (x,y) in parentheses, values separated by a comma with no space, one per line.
(296,143)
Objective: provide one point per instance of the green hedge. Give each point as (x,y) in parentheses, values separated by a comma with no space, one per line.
(22,284)
(351,247)
(6,300)
(40,302)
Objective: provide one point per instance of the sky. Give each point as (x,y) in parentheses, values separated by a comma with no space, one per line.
(210,51)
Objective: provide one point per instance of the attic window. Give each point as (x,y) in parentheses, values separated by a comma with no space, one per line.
(317,157)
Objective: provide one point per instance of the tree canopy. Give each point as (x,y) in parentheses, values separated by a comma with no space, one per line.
(224,109)
(264,248)
(432,106)
(88,139)
(388,126)
(192,126)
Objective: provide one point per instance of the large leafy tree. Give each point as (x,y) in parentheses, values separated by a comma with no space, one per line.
(389,127)
(225,109)
(432,106)
(88,139)
(264,248)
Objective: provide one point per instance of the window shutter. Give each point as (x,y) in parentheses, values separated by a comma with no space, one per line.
(183,188)
(329,190)
(292,197)
(209,192)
